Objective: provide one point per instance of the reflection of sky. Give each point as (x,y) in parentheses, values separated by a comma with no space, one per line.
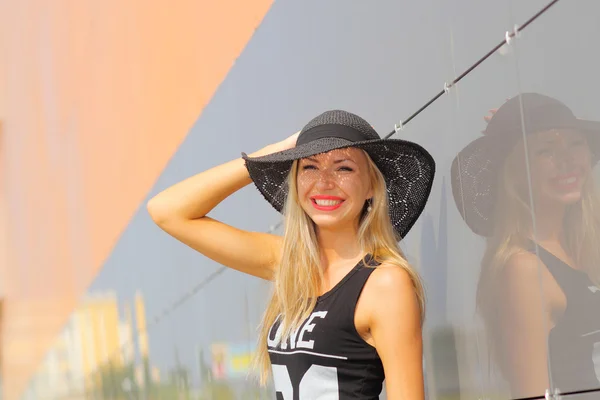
(378,60)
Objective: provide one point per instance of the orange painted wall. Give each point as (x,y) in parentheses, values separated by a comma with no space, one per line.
(97,97)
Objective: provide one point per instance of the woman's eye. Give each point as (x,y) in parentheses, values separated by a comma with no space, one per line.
(309,167)
(346,169)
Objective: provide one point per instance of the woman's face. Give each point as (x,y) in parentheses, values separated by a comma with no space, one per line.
(560,164)
(333,187)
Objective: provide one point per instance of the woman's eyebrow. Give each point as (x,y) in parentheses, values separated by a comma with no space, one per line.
(344,159)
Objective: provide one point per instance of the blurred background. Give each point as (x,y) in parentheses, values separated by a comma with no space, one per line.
(104,104)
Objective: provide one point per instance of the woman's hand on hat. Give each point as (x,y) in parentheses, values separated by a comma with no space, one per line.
(285,144)
(489,117)
(492,112)
(289,142)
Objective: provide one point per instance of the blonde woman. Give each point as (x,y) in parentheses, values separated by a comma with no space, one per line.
(347,309)
(533,197)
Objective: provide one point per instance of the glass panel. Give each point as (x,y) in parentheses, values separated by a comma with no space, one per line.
(460,355)
(558,67)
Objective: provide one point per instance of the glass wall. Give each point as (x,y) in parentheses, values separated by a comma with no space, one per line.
(507,245)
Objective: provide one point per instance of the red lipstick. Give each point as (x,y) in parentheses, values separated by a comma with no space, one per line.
(567,182)
(333,202)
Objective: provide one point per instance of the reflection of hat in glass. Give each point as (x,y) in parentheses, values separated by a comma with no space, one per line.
(408,169)
(475,168)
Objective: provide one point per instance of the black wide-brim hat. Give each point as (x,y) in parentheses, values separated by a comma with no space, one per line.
(408,168)
(475,169)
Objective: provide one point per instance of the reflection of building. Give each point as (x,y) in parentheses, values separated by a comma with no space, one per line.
(96,339)
(68,141)
(99,328)
(440,340)
(140,311)
(231,360)
(434,261)
(61,372)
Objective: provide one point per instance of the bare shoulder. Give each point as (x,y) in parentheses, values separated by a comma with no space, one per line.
(521,269)
(521,280)
(392,324)
(393,287)
(523,259)
(388,278)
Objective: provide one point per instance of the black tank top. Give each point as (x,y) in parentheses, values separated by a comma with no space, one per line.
(326,359)
(574,342)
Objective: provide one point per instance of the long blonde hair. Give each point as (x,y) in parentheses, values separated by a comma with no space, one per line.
(298,278)
(513,230)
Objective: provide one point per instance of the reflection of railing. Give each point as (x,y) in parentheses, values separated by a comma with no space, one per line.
(557,395)
(107,369)
(507,40)
(199,286)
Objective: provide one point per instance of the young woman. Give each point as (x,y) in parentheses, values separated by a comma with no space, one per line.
(347,309)
(527,186)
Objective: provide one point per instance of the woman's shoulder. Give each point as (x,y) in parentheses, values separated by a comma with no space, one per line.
(522,258)
(388,283)
(390,294)
(522,268)
(388,276)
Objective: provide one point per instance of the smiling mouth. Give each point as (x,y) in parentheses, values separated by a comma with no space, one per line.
(326,204)
(567,183)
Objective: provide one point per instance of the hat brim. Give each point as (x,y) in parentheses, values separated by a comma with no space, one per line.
(475,168)
(408,170)
(587,125)
(592,128)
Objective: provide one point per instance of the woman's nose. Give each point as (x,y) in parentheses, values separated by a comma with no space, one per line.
(325,181)
(564,153)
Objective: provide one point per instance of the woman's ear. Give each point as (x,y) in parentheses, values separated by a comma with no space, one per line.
(369,204)
(370,194)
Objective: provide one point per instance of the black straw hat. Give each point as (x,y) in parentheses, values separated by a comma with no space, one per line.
(475,168)
(407,167)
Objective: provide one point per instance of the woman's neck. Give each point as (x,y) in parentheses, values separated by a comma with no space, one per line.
(550,233)
(338,246)
(549,222)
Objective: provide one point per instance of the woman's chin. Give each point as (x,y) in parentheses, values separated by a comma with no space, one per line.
(326,222)
(571,198)
(329,222)
(567,198)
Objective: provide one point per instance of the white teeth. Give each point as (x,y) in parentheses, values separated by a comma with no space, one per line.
(327,203)
(567,181)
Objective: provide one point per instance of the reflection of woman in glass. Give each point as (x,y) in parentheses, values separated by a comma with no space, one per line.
(334,327)
(535,202)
